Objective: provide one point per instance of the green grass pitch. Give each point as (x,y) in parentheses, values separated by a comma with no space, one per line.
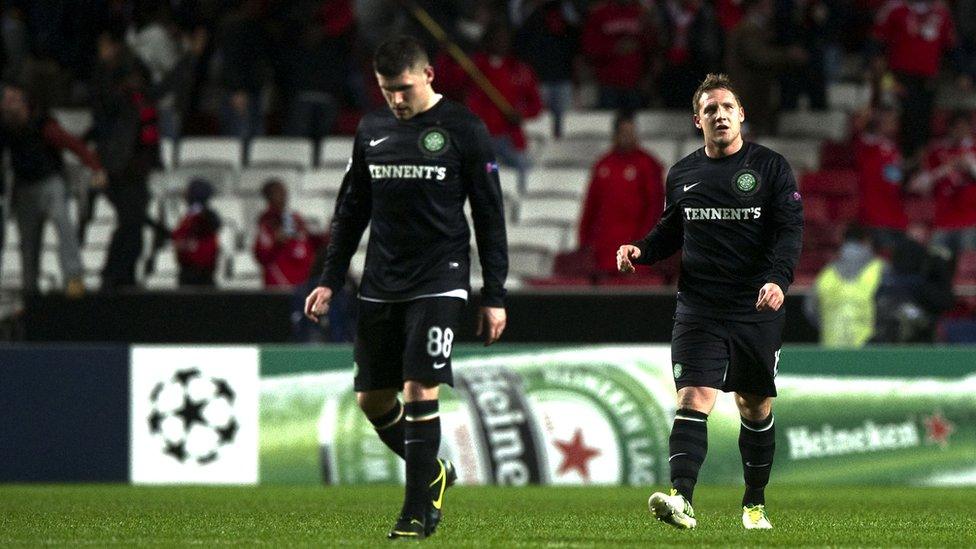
(123,516)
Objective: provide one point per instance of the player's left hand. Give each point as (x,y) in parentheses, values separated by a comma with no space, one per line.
(491,323)
(770,297)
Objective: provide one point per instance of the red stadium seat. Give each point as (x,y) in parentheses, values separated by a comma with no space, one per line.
(920,209)
(829,182)
(966,269)
(816,210)
(836,156)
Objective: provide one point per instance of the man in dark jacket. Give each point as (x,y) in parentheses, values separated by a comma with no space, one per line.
(35,141)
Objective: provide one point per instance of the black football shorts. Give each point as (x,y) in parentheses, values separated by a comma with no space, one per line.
(408,340)
(726,354)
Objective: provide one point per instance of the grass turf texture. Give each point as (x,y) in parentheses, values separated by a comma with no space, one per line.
(476,517)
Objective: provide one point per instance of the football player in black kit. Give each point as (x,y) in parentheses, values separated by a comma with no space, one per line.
(733,210)
(412,168)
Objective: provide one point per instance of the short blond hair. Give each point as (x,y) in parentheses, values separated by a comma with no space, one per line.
(713,81)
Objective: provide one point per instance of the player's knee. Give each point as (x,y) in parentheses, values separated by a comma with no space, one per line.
(415,390)
(752,407)
(700,399)
(375,403)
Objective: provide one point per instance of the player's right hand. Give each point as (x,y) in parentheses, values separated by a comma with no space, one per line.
(317,303)
(626,255)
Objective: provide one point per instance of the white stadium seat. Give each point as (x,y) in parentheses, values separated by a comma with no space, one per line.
(802,154)
(591,124)
(548,239)
(558,182)
(819,125)
(220,151)
(335,151)
(664,149)
(580,152)
(252,179)
(294,152)
(322,181)
(657,123)
(562,212)
(848,96)
(77,122)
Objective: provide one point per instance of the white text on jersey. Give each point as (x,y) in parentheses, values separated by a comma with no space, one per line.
(379,171)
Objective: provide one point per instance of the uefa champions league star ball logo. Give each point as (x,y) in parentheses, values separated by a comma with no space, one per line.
(433,141)
(192,416)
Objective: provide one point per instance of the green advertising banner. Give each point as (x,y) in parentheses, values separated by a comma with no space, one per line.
(602,415)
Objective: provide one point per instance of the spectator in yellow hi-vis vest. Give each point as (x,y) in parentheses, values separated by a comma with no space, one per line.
(842,303)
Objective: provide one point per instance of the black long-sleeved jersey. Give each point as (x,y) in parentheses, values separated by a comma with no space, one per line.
(408,180)
(738,221)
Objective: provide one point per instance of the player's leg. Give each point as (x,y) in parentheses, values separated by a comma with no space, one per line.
(752,372)
(377,353)
(429,327)
(699,353)
(385,411)
(757,444)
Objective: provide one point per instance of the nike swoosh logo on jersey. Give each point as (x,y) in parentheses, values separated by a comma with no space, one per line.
(439,365)
(689,187)
(375,142)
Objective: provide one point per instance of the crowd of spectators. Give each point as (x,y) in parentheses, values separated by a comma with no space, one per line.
(150,71)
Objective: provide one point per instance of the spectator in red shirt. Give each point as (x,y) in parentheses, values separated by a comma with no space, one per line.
(195,238)
(35,143)
(880,175)
(914,36)
(284,246)
(625,197)
(517,83)
(949,173)
(617,41)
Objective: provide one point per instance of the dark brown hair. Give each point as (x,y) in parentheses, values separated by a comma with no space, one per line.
(713,81)
(398,54)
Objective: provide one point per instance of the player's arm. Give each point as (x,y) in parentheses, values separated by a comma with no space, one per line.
(480,172)
(662,242)
(351,216)
(787,227)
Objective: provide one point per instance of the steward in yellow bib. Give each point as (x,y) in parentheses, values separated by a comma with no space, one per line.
(842,303)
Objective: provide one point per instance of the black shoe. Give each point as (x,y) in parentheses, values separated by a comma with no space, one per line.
(446,477)
(407,529)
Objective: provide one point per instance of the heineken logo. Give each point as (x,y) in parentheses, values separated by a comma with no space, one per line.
(746,182)
(507,427)
(192,416)
(806,443)
(433,141)
(677,370)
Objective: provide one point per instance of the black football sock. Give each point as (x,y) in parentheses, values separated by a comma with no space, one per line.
(389,427)
(689,444)
(422,438)
(757,444)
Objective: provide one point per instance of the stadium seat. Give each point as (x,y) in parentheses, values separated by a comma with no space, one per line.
(508,178)
(335,151)
(816,124)
(98,234)
(597,124)
(558,182)
(51,269)
(572,152)
(225,152)
(838,183)
(848,97)
(231,211)
(12,237)
(530,263)
(676,124)
(561,212)
(802,154)
(77,122)
(920,209)
(663,149)
(252,179)
(539,129)
(689,145)
(837,155)
(549,239)
(317,211)
(966,268)
(93,259)
(167,153)
(292,152)
(244,266)
(322,181)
